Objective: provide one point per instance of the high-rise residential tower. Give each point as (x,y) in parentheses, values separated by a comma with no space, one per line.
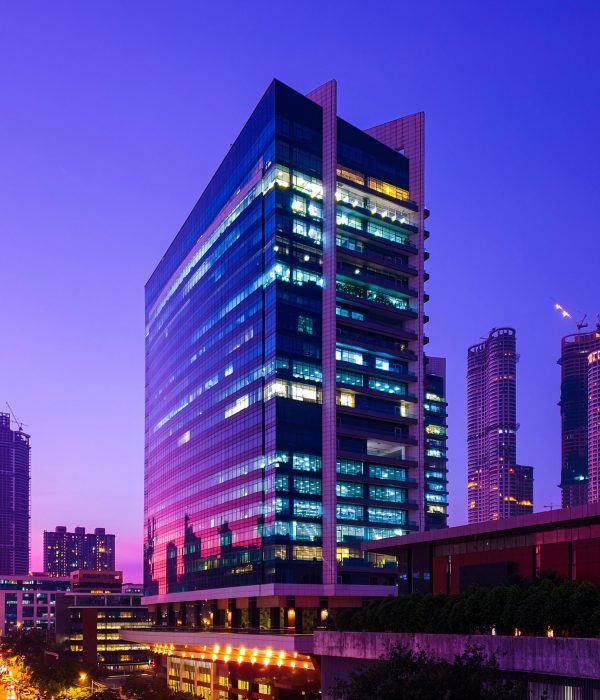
(15,465)
(594,425)
(497,486)
(574,412)
(285,379)
(65,552)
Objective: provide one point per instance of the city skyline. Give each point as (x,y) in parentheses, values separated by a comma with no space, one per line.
(103,181)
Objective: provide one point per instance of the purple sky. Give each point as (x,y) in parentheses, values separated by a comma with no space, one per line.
(114,115)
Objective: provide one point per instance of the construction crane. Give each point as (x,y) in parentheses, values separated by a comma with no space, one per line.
(565,314)
(18,422)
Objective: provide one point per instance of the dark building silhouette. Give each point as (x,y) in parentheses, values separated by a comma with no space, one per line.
(15,465)
(70,551)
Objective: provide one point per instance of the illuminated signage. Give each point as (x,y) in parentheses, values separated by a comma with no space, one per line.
(594,356)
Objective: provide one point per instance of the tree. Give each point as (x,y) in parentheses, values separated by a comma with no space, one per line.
(408,675)
(140,687)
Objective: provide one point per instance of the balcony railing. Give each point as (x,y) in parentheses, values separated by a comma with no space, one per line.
(369,294)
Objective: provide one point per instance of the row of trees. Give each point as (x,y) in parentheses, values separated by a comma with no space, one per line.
(58,676)
(43,664)
(409,675)
(567,608)
(139,687)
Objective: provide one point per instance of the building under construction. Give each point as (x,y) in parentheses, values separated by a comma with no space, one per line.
(14,498)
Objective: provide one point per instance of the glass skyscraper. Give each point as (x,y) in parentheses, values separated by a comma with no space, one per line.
(285,374)
(14,498)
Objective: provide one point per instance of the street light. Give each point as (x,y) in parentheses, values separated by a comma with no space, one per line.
(83,676)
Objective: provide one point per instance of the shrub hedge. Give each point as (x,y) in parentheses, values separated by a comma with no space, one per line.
(567,608)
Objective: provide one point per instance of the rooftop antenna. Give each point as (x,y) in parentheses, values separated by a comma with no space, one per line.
(18,422)
(565,314)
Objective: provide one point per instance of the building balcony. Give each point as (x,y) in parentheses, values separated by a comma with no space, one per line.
(389,329)
(373,300)
(375,432)
(408,483)
(390,374)
(377,416)
(390,282)
(352,189)
(387,261)
(398,349)
(405,247)
(365,457)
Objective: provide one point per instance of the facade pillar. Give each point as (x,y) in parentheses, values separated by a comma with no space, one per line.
(326,96)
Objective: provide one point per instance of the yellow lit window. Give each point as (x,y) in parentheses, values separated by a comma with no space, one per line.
(240,404)
(351,175)
(387,189)
(308,553)
(345,399)
(435,509)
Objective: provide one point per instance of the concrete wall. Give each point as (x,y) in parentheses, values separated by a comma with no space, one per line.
(342,652)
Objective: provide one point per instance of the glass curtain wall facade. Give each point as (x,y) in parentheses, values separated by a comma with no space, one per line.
(284,359)
(436,429)
(497,487)
(15,466)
